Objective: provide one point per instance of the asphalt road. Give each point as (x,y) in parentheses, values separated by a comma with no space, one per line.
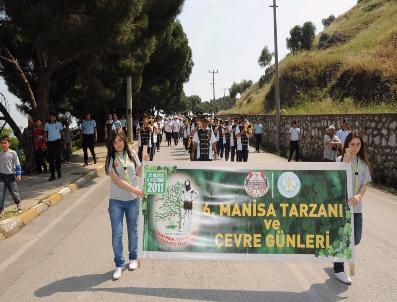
(66,255)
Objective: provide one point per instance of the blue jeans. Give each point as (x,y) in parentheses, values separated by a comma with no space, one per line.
(117,209)
(7,181)
(358,230)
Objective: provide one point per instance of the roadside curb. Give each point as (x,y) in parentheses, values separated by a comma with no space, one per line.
(10,226)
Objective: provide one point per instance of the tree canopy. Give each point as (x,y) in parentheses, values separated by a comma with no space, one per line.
(301,37)
(75,55)
(265,58)
(239,88)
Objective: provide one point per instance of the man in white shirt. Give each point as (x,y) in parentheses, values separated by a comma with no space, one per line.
(258,127)
(293,136)
(342,133)
(175,130)
(204,141)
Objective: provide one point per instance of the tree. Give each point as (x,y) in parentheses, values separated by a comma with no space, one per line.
(294,41)
(327,21)
(265,58)
(239,88)
(301,38)
(193,101)
(40,38)
(73,55)
(308,35)
(169,68)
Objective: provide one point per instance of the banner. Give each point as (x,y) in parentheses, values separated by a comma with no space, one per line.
(294,211)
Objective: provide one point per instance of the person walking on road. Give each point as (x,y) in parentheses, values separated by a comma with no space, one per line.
(123,122)
(258,128)
(123,167)
(227,140)
(88,136)
(342,133)
(40,147)
(204,141)
(116,123)
(331,144)
(53,134)
(28,145)
(354,153)
(293,137)
(10,173)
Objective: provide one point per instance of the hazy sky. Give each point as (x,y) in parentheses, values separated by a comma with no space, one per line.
(228,35)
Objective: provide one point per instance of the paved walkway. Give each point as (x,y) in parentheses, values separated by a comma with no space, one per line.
(35,187)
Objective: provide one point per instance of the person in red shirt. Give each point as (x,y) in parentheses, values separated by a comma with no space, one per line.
(41,147)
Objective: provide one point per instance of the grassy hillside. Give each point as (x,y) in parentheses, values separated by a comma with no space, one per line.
(355,70)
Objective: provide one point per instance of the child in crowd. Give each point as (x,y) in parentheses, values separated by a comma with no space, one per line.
(10,173)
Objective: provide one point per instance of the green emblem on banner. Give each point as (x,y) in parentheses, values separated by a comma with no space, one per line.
(155,182)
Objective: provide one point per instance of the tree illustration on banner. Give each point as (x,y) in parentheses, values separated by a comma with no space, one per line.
(171,209)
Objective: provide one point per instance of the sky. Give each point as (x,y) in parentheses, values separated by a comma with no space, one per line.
(229,35)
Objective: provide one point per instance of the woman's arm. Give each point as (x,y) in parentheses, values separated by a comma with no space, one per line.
(357,198)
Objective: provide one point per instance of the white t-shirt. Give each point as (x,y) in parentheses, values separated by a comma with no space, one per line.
(231,136)
(239,144)
(294,133)
(330,153)
(167,127)
(116,192)
(175,126)
(189,196)
(364,177)
(197,141)
(186,131)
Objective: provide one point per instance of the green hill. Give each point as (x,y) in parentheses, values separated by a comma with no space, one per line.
(352,68)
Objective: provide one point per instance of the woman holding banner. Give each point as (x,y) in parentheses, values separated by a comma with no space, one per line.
(354,153)
(123,166)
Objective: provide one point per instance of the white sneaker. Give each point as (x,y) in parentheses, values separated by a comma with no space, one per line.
(117,273)
(343,277)
(133,265)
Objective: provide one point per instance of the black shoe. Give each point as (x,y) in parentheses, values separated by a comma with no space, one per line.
(94,160)
(59,174)
(52,177)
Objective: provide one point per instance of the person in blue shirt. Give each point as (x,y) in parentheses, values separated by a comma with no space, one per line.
(53,134)
(88,136)
(116,123)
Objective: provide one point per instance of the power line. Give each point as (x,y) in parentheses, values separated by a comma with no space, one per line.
(213,82)
(277,86)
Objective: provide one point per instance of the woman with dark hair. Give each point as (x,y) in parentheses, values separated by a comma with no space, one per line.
(355,154)
(123,166)
(29,146)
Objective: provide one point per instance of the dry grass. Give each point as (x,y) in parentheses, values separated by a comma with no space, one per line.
(372,28)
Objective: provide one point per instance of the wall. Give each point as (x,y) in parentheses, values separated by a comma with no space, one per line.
(379,135)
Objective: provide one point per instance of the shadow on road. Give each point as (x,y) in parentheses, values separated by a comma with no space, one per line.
(327,291)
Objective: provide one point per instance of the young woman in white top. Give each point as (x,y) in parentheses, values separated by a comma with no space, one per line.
(123,166)
(354,153)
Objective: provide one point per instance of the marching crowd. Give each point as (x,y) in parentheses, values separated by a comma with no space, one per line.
(204,139)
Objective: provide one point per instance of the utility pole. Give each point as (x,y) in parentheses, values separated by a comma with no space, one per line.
(224,91)
(130,136)
(277,92)
(213,82)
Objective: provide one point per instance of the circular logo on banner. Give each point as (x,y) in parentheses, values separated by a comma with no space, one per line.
(289,184)
(256,184)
